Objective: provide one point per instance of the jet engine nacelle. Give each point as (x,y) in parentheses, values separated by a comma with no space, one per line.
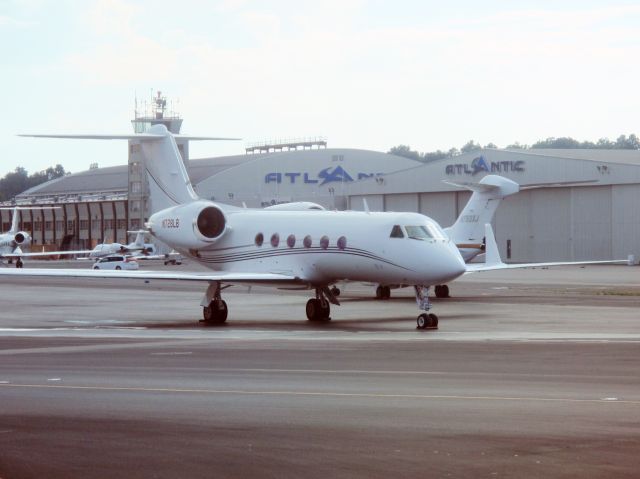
(191,226)
(21,238)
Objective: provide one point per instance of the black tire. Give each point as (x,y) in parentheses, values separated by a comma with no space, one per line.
(216,312)
(96,267)
(433,321)
(379,292)
(386,292)
(223,311)
(118,268)
(312,309)
(335,291)
(422,321)
(325,311)
(442,291)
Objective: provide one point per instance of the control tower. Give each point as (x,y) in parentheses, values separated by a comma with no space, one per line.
(148,114)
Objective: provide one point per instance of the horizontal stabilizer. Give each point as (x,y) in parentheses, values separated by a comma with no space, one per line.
(131,136)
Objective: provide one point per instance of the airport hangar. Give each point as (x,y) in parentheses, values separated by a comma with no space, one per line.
(596,217)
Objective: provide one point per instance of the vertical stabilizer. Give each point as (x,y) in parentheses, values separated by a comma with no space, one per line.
(487,194)
(14,222)
(169,183)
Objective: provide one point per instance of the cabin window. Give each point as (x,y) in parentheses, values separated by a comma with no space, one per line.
(307,241)
(275,240)
(396,232)
(324,242)
(259,239)
(342,242)
(291,241)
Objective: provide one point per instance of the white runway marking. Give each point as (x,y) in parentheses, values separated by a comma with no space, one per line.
(324,394)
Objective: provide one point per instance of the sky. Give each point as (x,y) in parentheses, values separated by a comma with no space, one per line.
(367,74)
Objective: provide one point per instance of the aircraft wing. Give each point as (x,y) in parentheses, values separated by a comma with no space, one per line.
(42,253)
(262,279)
(493,261)
(479,267)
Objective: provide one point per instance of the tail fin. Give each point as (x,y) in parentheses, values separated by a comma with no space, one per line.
(139,241)
(14,222)
(169,183)
(487,193)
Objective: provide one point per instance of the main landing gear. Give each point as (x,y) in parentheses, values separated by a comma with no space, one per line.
(383,292)
(426,320)
(442,291)
(318,308)
(19,263)
(214,308)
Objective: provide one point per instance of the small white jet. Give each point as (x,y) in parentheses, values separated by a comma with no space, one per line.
(300,249)
(467,232)
(137,248)
(13,241)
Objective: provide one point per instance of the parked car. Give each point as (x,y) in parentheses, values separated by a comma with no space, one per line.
(116,261)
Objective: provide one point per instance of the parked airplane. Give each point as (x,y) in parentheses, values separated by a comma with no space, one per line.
(137,247)
(12,242)
(284,249)
(468,230)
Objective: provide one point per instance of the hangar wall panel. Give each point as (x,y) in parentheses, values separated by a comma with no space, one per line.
(591,212)
(625,221)
(439,206)
(550,224)
(401,202)
(513,223)
(375,202)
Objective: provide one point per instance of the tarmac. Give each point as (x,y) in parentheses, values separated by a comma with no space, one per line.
(532,373)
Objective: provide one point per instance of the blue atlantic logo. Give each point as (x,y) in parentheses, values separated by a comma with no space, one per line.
(338,174)
(328,175)
(479,164)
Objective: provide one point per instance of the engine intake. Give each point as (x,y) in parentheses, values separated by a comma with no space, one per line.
(20,238)
(211,222)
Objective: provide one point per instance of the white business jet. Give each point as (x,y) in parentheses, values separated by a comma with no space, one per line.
(306,249)
(467,233)
(136,248)
(13,241)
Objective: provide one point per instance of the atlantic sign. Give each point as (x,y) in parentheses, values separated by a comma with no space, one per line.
(480,164)
(327,175)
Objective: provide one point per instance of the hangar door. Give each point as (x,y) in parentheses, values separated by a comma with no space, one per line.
(591,212)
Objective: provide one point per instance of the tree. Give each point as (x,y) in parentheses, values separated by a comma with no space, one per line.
(470,146)
(406,152)
(19,180)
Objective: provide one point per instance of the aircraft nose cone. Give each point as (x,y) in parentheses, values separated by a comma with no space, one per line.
(455,265)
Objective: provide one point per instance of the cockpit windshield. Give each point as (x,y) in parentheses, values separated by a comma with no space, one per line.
(418,232)
(427,231)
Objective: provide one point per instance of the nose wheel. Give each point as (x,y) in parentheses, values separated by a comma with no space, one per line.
(427,321)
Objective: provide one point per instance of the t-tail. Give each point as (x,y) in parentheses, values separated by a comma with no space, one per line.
(468,232)
(169,183)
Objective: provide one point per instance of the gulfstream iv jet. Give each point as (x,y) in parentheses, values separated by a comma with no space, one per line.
(289,249)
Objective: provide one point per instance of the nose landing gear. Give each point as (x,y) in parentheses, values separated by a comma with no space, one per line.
(425,320)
